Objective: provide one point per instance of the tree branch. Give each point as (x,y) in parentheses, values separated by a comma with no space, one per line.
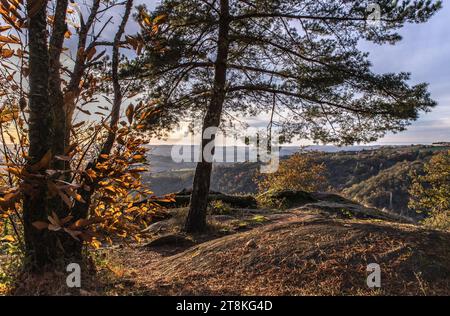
(115,111)
(303,17)
(268,89)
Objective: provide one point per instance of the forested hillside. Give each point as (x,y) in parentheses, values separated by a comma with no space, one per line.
(368,176)
(388,189)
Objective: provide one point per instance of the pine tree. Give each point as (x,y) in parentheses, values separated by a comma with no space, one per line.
(213,58)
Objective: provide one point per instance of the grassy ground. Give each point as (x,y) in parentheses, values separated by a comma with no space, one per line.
(302,255)
(298,252)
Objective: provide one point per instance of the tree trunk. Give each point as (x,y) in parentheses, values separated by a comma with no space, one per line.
(45,249)
(71,247)
(196,220)
(38,244)
(55,93)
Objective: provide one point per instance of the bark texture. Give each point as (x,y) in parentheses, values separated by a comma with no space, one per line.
(39,244)
(196,220)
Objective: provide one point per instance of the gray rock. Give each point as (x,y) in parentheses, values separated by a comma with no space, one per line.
(172,240)
(157,227)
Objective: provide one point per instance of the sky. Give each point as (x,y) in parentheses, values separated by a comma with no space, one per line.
(424,52)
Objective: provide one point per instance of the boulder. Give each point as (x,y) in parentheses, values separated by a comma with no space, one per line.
(183,197)
(288,198)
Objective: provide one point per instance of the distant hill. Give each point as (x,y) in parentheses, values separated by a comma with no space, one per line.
(366,174)
(388,189)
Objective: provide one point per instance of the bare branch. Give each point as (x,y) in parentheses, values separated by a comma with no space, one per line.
(115,111)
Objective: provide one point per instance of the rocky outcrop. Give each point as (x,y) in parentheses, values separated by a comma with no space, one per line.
(332,204)
(183,197)
(353,210)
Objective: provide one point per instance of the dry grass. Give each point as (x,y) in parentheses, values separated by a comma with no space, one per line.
(303,255)
(296,253)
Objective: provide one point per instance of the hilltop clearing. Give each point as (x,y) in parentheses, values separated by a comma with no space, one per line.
(321,247)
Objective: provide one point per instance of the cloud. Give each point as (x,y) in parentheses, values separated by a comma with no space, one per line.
(424,53)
